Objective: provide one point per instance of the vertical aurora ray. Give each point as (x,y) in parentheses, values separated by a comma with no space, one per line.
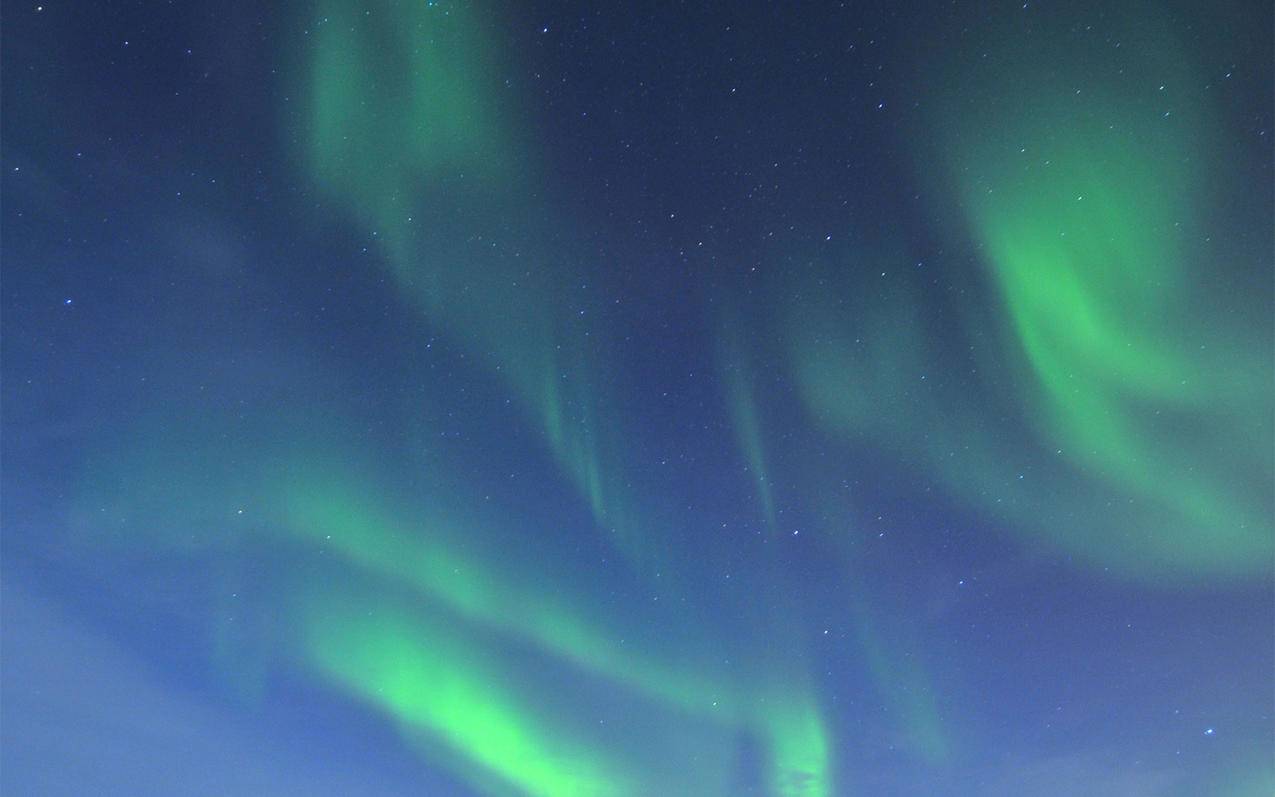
(741,402)
(906,690)
(418,77)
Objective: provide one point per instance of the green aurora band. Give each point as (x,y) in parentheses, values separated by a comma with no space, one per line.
(480,602)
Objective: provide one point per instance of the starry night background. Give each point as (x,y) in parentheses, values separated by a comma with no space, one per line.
(445,398)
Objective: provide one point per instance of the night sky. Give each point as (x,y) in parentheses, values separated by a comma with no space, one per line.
(638,399)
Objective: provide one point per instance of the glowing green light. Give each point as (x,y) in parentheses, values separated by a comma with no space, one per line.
(429,679)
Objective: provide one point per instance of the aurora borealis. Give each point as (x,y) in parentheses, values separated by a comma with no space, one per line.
(446,398)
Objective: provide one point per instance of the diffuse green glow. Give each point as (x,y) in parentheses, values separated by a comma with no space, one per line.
(1087,234)
(867,373)
(1254,779)
(1121,343)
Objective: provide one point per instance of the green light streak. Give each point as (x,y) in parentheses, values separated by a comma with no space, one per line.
(430,679)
